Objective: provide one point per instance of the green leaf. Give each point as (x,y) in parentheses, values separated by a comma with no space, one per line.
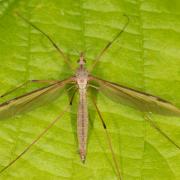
(145,57)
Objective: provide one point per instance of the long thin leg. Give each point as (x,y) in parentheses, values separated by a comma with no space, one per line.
(35,141)
(109,140)
(109,44)
(72,98)
(154,125)
(26,83)
(93,86)
(48,37)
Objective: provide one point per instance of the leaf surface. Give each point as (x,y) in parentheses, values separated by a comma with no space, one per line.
(145,57)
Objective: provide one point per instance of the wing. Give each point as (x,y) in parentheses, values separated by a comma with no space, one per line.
(143,101)
(32,99)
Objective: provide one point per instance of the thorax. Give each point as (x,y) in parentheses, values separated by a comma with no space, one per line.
(82,77)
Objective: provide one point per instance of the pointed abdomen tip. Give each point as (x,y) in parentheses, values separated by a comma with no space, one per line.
(83,158)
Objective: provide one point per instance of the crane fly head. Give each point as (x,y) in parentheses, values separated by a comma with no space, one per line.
(81,60)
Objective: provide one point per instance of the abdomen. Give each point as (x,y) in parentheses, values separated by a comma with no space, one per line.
(82,123)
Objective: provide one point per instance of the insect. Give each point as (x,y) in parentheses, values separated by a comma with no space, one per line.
(82,80)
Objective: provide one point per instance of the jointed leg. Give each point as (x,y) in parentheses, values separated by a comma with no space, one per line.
(26,83)
(35,140)
(154,125)
(109,44)
(72,98)
(93,86)
(109,140)
(48,37)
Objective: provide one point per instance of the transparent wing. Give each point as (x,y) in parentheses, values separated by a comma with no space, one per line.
(32,99)
(143,101)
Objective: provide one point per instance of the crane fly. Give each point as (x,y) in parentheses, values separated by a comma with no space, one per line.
(82,81)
